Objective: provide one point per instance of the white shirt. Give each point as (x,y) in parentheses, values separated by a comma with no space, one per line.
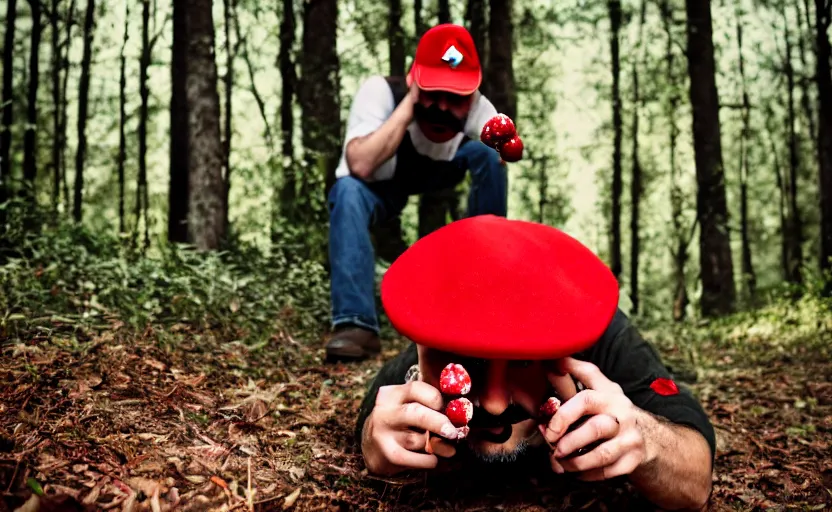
(373,104)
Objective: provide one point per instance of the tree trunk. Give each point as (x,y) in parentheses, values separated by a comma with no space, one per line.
(781,193)
(614,10)
(83,104)
(144,63)
(320,102)
(680,249)
(56,109)
(122,102)
(395,38)
(444,11)
(749,278)
(805,81)
(418,20)
(8,110)
(824,83)
(287,208)
(206,225)
(476,23)
(179,189)
(500,72)
(635,183)
(289,79)
(716,265)
(794,238)
(229,7)
(62,139)
(30,169)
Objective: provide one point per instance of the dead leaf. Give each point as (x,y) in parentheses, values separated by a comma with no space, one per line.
(153,363)
(291,499)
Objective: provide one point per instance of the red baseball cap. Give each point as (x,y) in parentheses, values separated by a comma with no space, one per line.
(446,60)
(495,288)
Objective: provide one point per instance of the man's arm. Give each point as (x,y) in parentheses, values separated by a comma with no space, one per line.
(660,435)
(366,152)
(674,473)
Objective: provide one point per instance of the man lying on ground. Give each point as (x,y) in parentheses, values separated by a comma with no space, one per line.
(529,313)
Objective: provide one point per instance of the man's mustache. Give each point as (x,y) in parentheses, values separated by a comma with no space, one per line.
(435,115)
(513,414)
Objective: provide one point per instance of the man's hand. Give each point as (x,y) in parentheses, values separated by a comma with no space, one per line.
(394,433)
(613,420)
(669,464)
(413,93)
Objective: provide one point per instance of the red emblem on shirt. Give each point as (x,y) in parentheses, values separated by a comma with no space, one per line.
(664,387)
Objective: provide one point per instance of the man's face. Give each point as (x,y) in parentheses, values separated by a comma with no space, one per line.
(440,114)
(506,396)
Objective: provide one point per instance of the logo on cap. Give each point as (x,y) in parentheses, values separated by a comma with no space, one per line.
(452,56)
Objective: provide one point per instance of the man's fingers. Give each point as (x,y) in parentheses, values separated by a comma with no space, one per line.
(398,456)
(422,393)
(598,427)
(624,466)
(587,402)
(416,415)
(603,455)
(442,448)
(415,442)
(563,385)
(589,375)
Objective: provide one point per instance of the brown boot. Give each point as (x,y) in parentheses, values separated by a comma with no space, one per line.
(352,344)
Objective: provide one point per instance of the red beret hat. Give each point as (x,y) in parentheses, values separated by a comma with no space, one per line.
(495,288)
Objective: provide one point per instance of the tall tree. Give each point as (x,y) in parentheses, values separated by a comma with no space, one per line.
(418,20)
(749,278)
(62,138)
(681,241)
(716,265)
(614,10)
(475,21)
(54,28)
(444,11)
(179,189)
(144,94)
(230,13)
(289,80)
(395,38)
(794,233)
(805,81)
(499,75)
(83,106)
(770,122)
(636,180)
(8,110)
(122,118)
(823,18)
(319,99)
(206,225)
(30,135)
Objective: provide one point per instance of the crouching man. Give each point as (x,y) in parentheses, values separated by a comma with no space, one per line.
(530,313)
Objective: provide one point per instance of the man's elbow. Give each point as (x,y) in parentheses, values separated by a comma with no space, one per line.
(359,167)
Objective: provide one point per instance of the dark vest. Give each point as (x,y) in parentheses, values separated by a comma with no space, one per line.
(416,173)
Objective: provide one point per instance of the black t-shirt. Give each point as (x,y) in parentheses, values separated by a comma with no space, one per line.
(621,354)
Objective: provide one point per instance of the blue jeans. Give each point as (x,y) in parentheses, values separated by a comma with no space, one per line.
(355,206)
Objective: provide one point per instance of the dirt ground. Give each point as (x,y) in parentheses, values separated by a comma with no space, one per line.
(175,420)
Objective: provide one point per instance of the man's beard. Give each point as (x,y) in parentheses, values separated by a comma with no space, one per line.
(433,115)
(503,457)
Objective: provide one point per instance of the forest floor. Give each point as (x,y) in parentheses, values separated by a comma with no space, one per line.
(124,421)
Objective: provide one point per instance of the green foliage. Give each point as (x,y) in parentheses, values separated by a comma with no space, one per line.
(72,275)
(786,329)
